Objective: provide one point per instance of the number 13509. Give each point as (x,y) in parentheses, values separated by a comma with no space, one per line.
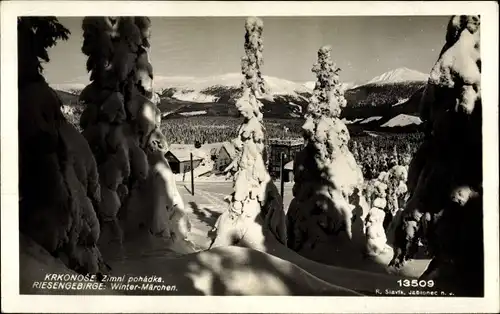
(415,283)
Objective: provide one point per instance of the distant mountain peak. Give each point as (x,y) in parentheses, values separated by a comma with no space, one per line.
(402,74)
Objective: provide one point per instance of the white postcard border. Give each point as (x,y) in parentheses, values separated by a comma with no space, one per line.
(12,301)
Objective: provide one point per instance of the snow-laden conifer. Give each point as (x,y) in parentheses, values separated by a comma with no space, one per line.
(328,182)
(122,124)
(255,195)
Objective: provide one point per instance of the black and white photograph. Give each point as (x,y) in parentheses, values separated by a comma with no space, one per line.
(250,153)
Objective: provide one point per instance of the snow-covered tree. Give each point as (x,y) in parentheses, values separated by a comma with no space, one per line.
(255,199)
(394,159)
(122,124)
(445,174)
(387,193)
(328,183)
(355,151)
(59,187)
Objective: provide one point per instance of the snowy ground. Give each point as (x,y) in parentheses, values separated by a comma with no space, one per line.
(228,270)
(402,120)
(208,203)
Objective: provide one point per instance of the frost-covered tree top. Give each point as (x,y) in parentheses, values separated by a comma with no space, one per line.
(323,129)
(459,65)
(253,59)
(328,97)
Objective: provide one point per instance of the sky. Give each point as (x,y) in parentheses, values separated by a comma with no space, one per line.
(362,46)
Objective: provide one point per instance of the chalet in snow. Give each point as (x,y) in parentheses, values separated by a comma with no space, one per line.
(179,160)
(224,156)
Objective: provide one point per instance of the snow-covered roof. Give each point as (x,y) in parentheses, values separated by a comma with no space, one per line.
(289,165)
(184,154)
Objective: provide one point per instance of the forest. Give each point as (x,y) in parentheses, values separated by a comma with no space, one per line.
(374,151)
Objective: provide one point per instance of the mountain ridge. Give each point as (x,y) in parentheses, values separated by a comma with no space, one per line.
(398,75)
(183,96)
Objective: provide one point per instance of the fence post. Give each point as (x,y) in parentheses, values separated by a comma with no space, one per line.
(192,174)
(282,177)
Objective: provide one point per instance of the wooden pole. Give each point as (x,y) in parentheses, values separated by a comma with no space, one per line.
(282,176)
(192,174)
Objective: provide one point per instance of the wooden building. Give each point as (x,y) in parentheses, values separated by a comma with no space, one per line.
(289,148)
(225,156)
(180,160)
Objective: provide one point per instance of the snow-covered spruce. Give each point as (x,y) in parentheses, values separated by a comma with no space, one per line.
(255,199)
(58,181)
(386,196)
(122,124)
(328,182)
(445,175)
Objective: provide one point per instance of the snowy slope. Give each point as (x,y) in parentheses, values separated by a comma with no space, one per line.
(401,101)
(399,75)
(370,119)
(402,120)
(351,122)
(212,88)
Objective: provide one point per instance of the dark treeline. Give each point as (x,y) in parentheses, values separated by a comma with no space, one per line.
(374,153)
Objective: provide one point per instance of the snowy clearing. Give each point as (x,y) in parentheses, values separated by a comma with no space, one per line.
(400,102)
(402,120)
(351,121)
(371,134)
(193,113)
(370,119)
